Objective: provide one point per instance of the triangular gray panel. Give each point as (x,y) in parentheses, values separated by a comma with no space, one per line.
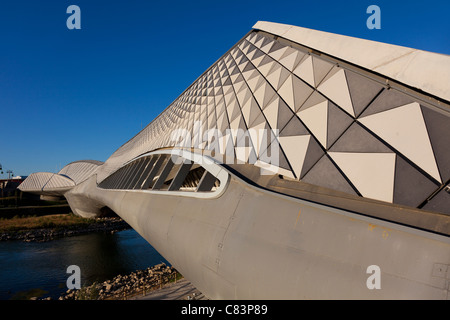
(284,114)
(357,139)
(276,46)
(301,92)
(281,161)
(314,99)
(313,154)
(438,126)
(338,121)
(265,60)
(227,82)
(256,116)
(325,174)
(321,68)
(439,203)
(293,128)
(258,54)
(411,187)
(264,140)
(362,90)
(265,41)
(248,67)
(388,99)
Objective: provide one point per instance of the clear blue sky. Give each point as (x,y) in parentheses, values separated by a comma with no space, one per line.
(69,95)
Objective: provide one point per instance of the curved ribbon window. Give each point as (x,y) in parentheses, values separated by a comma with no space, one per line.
(168,171)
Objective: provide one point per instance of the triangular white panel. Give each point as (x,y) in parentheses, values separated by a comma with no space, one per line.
(251,53)
(277,76)
(371,173)
(259,42)
(404,129)
(244,94)
(271,113)
(265,68)
(226,145)
(305,71)
(286,91)
(253,82)
(295,148)
(246,107)
(258,135)
(267,46)
(243,154)
(316,119)
(264,94)
(234,125)
(259,95)
(336,89)
(239,86)
(271,169)
(257,60)
(291,58)
(277,54)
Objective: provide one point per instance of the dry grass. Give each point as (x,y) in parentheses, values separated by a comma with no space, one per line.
(50,221)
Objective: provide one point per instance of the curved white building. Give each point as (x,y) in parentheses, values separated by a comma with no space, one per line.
(291,166)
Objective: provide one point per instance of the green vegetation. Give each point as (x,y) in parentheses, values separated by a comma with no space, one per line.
(12,207)
(88,292)
(19,223)
(178,276)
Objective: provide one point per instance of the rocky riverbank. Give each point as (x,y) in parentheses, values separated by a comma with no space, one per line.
(45,234)
(124,286)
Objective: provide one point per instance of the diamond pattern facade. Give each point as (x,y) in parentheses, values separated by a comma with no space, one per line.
(335,127)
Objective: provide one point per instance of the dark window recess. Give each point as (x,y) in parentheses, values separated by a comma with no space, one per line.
(182,172)
(208,183)
(192,179)
(155,172)
(147,169)
(166,175)
(162,172)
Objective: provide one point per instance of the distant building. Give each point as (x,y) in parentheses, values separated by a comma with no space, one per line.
(9,186)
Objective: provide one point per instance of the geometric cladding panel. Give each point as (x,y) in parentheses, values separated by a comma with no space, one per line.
(334,126)
(404,129)
(371,173)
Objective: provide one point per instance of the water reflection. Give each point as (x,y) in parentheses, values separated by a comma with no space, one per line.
(28,265)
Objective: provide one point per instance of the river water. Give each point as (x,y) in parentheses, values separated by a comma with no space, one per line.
(39,268)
